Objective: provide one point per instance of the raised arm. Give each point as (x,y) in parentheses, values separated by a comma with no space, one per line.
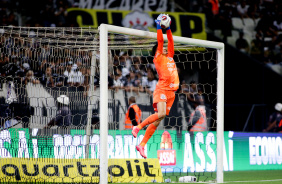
(160,39)
(170,46)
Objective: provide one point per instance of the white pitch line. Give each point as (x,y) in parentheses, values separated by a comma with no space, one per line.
(253,181)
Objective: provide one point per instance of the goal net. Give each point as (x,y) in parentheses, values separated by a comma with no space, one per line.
(65,94)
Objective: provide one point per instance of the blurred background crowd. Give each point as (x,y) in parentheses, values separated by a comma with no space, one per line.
(32,62)
(38,63)
(254,27)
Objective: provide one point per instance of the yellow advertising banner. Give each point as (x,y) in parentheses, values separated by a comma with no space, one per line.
(190,25)
(79,170)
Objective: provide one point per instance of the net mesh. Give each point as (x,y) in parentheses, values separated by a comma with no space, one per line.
(38,65)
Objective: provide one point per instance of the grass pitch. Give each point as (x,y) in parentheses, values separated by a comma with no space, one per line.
(239,177)
(232,177)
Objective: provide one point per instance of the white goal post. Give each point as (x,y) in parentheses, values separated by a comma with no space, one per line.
(104,29)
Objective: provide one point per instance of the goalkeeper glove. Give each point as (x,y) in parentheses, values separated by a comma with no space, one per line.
(168,28)
(158,21)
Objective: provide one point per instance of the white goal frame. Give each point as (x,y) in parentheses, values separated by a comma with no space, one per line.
(104,29)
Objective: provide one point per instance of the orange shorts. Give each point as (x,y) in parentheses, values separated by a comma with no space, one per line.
(163,96)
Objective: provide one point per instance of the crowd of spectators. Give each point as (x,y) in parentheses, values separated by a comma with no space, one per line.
(31,62)
(130,73)
(48,13)
(261,38)
(265,44)
(35,63)
(264,41)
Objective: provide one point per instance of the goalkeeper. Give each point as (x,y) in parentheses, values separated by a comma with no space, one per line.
(164,94)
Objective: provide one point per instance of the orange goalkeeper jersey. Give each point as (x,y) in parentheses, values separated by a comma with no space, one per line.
(165,65)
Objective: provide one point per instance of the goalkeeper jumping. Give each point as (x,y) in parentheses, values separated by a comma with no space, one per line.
(164,94)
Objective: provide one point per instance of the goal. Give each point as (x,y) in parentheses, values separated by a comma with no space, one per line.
(98,71)
(183,44)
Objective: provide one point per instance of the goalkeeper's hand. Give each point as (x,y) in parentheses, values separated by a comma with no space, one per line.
(158,21)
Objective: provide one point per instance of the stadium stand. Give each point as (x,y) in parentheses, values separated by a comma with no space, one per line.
(265,44)
(54,14)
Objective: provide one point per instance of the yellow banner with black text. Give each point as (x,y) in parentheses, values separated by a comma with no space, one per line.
(190,25)
(79,170)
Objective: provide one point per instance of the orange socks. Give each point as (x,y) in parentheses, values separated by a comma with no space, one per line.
(148,134)
(149,120)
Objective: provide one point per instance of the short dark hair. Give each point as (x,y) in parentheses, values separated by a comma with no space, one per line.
(154,49)
(132,99)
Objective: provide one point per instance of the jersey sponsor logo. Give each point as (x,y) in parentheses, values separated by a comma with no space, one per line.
(171,66)
(163,97)
(171,85)
(170,58)
(157,54)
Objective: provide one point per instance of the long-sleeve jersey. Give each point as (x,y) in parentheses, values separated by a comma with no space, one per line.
(165,65)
